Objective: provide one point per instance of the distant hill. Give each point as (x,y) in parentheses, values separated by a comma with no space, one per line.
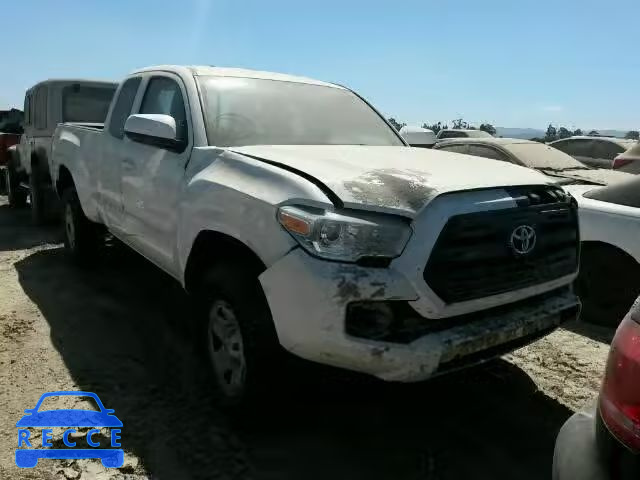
(525,133)
(528,133)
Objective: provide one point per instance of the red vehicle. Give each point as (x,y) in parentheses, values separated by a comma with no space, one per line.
(603,442)
(6,140)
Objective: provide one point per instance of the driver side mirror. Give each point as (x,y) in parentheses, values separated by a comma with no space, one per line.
(154,129)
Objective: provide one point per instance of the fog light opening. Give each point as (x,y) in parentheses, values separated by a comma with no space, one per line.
(371,320)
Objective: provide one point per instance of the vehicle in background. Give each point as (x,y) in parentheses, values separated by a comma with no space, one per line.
(461,133)
(7,140)
(300,220)
(548,160)
(609,278)
(599,152)
(629,160)
(418,137)
(603,441)
(46,105)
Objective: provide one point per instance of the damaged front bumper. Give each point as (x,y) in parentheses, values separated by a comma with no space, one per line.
(309,300)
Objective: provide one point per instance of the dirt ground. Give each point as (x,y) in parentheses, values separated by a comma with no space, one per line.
(118,330)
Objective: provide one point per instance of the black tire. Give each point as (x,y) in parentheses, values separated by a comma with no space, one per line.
(37,197)
(608,284)
(16,195)
(3,181)
(81,236)
(236,285)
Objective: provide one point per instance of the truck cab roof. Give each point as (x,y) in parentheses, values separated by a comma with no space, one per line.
(66,81)
(196,70)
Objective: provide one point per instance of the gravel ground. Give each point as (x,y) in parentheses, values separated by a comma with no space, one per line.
(118,330)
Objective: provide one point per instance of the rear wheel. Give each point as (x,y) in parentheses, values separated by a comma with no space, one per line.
(236,334)
(81,236)
(608,284)
(36,196)
(15,193)
(44,202)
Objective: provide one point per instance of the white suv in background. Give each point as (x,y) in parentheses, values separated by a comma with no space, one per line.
(609,278)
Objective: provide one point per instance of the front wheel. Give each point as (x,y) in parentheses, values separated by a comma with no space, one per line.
(237,334)
(81,236)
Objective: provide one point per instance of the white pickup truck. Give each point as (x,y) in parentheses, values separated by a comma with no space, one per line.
(300,219)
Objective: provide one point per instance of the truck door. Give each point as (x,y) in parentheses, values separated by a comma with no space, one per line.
(152,176)
(116,148)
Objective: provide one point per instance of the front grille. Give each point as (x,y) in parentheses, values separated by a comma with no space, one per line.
(473,256)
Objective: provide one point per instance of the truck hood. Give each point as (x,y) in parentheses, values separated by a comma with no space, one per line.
(392,178)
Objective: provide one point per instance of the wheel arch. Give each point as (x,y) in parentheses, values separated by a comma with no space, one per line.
(64,180)
(591,248)
(211,247)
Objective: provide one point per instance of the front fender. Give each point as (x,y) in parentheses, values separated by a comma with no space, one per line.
(231,194)
(618,230)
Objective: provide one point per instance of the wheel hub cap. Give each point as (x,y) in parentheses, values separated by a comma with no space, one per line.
(226,350)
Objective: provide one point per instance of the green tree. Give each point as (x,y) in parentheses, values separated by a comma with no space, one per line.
(577,131)
(487,127)
(594,133)
(436,127)
(397,125)
(633,135)
(537,139)
(551,135)
(459,123)
(564,133)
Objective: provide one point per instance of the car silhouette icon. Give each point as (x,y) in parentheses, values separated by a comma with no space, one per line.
(70,418)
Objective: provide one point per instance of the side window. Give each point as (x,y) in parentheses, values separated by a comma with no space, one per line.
(122,107)
(40,114)
(163,96)
(607,150)
(455,148)
(487,152)
(27,109)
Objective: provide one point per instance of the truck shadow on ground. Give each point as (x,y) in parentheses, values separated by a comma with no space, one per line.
(18,232)
(119,328)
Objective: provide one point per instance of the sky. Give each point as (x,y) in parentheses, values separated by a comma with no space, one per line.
(512,63)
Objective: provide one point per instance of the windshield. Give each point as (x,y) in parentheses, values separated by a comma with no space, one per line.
(249,111)
(88,104)
(539,155)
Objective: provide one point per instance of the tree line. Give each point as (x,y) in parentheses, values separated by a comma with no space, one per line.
(551,134)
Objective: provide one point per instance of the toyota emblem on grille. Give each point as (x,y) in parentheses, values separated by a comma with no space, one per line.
(523,239)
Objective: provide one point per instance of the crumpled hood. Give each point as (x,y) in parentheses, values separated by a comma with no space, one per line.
(398,178)
(597,175)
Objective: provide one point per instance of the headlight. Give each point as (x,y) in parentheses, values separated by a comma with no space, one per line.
(346,238)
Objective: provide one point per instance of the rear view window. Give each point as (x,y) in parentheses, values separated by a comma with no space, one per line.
(453,135)
(88,104)
(40,113)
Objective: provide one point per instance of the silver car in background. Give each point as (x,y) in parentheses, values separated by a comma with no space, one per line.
(599,152)
(563,169)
